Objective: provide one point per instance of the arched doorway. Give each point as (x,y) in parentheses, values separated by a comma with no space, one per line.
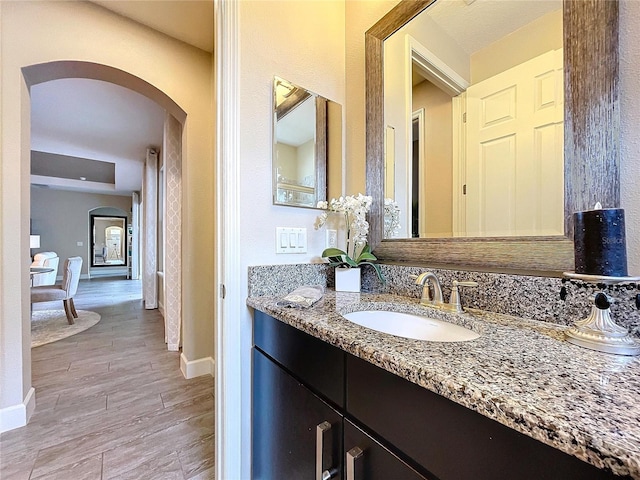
(169,216)
(96,40)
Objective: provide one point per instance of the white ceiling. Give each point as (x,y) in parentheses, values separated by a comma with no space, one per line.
(96,120)
(476,25)
(102,121)
(299,125)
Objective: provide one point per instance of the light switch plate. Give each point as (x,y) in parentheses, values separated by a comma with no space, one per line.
(291,240)
(331,239)
(79,244)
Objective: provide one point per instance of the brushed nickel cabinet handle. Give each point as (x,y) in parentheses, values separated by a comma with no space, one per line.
(324,460)
(353,472)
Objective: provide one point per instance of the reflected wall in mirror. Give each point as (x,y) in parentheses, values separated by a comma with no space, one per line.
(307,146)
(474,95)
(109,240)
(590,139)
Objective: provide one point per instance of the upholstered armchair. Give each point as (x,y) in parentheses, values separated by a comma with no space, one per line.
(48,260)
(65,291)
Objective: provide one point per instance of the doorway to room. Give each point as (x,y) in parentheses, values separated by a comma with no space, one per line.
(109,254)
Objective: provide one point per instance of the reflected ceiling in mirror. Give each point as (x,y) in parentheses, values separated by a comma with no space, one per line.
(307,145)
(473,110)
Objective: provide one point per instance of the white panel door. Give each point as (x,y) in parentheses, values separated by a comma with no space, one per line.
(515,168)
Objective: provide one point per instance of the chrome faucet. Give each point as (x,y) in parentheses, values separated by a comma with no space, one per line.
(437,301)
(423,280)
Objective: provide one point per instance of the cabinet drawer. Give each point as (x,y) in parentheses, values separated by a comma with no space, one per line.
(316,363)
(447,439)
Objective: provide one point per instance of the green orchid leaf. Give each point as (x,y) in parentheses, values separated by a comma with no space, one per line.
(350,261)
(366,256)
(333,252)
(336,261)
(337,264)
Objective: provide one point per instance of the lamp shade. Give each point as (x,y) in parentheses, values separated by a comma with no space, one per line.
(34,241)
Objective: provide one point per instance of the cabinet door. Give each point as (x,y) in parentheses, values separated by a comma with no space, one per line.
(366,459)
(296,435)
(449,440)
(318,364)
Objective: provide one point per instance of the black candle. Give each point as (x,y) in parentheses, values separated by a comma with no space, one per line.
(599,242)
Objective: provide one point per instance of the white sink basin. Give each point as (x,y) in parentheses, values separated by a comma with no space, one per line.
(411,326)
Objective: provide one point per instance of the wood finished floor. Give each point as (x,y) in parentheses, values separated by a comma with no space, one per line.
(112,402)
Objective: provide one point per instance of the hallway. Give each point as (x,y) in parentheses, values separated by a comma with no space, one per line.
(112,402)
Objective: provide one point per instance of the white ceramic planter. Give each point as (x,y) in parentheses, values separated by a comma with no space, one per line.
(347,279)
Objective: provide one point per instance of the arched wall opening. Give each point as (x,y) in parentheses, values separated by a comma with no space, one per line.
(18,401)
(162,278)
(40,33)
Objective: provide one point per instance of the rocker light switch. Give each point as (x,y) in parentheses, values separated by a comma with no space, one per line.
(291,240)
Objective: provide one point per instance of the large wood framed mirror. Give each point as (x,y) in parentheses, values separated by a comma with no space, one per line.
(591,145)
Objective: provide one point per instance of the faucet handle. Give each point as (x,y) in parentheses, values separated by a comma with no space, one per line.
(454,300)
(464,283)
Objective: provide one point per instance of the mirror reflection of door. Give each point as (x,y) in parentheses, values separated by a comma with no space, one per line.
(109,241)
(492,95)
(416,150)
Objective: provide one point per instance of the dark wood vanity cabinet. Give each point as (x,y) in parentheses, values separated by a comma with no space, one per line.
(294,431)
(318,410)
(297,395)
(452,441)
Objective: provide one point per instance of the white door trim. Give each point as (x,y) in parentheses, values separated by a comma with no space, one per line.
(419,115)
(433,68)
(228,377)
(459,165)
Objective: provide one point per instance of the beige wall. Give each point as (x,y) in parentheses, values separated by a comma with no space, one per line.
(305,46)
(306,159)
(538,37)
(359,17)
(286,155)
(436,210)
(62,219)
(37,32)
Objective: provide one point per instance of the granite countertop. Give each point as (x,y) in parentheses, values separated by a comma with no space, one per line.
(519,372)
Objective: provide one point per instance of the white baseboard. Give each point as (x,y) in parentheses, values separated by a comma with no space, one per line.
(196,368)
(17,416)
